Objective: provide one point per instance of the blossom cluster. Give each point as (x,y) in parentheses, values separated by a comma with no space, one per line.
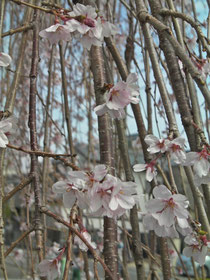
(119,96)
(199,160)
(83,21)
(101,193)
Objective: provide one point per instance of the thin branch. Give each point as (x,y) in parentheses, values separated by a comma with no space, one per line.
(39,153)
(23,184)
(93,252)
(18,30)
(14,244)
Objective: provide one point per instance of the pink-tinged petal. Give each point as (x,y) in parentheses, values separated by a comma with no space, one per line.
(60,187)
(68,199)
(179,197)
(5,59)
(150,223)
(150,174)
(100,172)
(134,100)
(200,256)
(183,223)
(100,109)
(82,200)
(153,149)
(132,78)
(201,167)
(139,167)
(180,212)
(161,192)
(166,218)
(126,202)
(3,140)
(96,204)
(151,139)
(179,141)
(187,252)
(78,174)
(191,157)
(154,205)
(113,204)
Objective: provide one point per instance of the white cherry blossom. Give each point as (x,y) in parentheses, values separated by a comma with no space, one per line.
(200,162)
(198,248)
(166,207)
(156,145)
(176,149)
(86,22)
(55,33)
(5,59)
(119,96)
(49,269)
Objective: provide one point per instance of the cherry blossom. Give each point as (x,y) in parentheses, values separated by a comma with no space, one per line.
(85,21)
(7,126)
(175,148)
(199,160)
(123,195)
(112,197)
(119,96)
(198,248)
(55,33)
(165,207)
(49,269)
(151,171)
(5,59)
(156,145)
(81,244)
(92,177)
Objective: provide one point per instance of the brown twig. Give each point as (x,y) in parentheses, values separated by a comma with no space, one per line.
(39,153)
(93,252)
(23,184)
(96,270)
(18,29)
(15,243)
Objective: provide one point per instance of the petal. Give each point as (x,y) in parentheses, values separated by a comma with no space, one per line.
(60,187)
(154,205)
(69,199)
(161,192)
(187,252)
(151,139)
(5,59)
(166,218)
(139,167)
(100,109)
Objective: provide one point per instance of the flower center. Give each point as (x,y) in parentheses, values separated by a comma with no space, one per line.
(175,147)
(161,144)
(171,203)
(114,92)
